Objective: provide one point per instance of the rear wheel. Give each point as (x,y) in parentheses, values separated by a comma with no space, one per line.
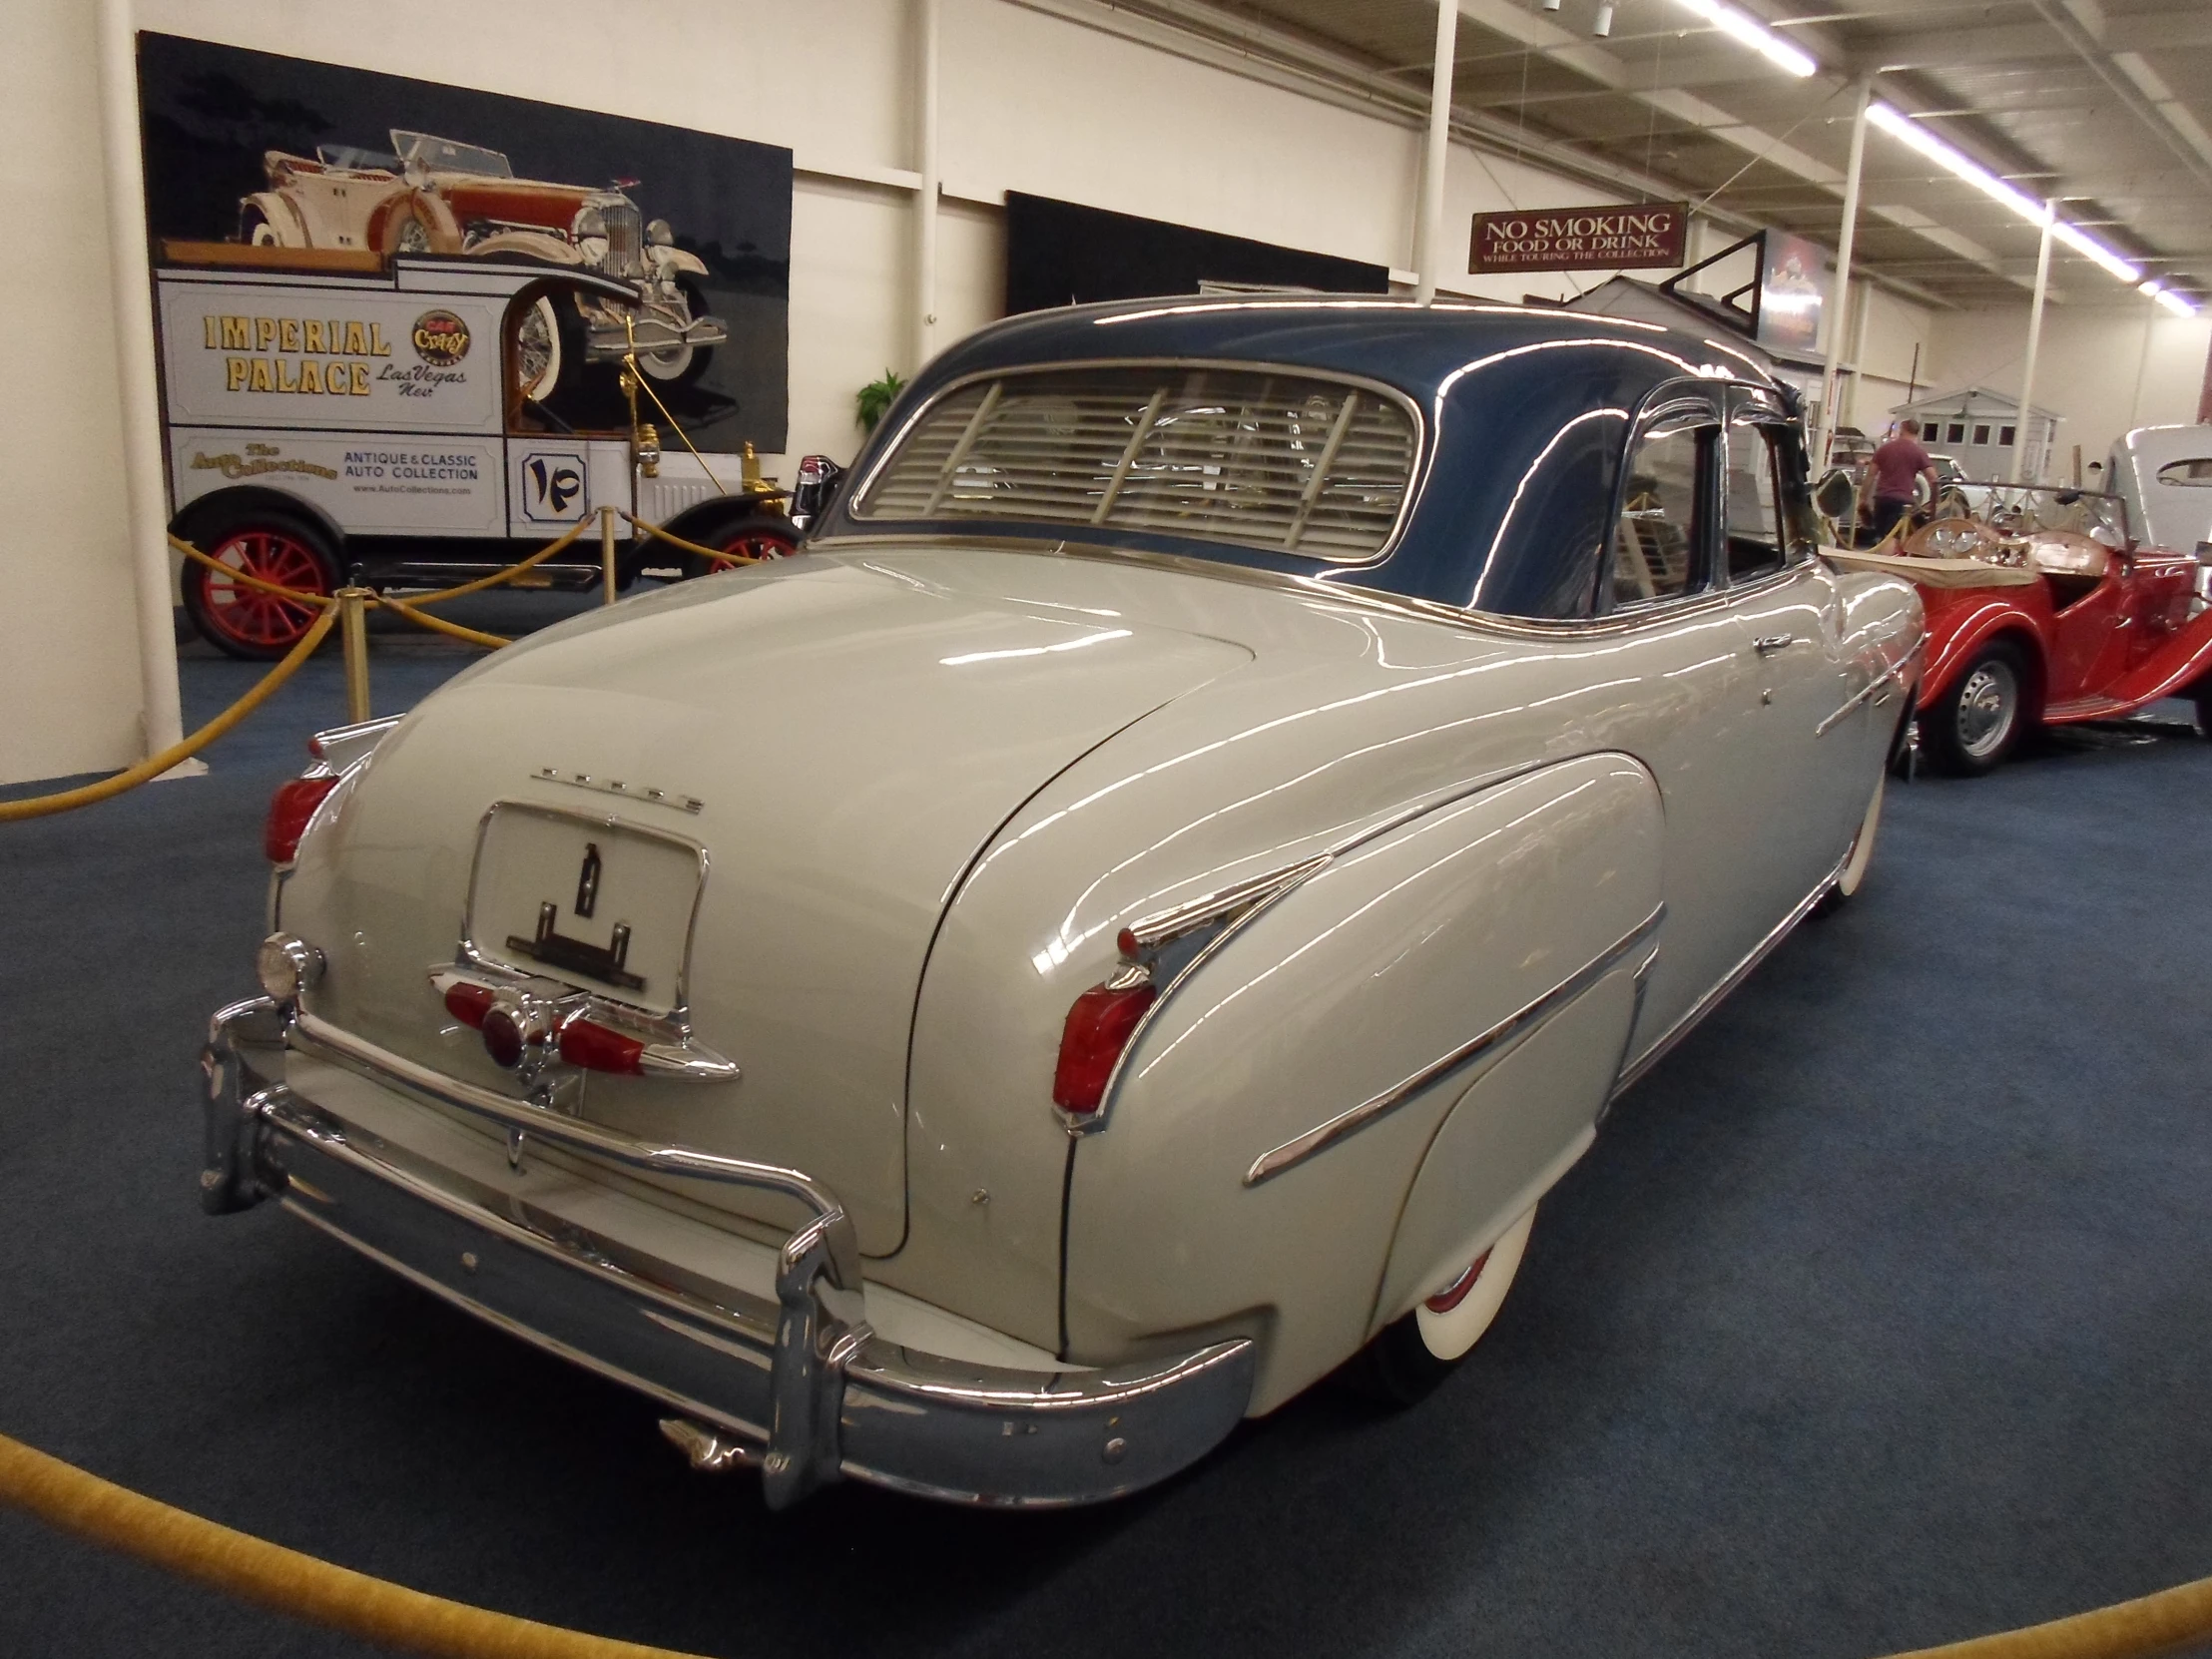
(1409,1357)
(1977,720)
(1854,873)
(245,621)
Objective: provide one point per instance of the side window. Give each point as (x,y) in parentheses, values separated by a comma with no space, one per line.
(1656,542)
(1755,524)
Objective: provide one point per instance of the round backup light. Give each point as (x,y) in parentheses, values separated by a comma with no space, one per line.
(511,1030)
(286,965)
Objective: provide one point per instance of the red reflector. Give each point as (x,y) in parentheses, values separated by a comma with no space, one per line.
(597,1047)
(1098,1028)
(288,810)
(468,1004)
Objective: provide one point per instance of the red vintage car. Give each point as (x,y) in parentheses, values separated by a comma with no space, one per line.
(2045,612)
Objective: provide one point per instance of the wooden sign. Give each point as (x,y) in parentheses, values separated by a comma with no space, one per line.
(1581,239)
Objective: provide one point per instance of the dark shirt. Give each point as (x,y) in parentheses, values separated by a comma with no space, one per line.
(1896,465)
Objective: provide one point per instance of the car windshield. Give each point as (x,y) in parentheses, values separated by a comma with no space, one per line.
(438,154)
(1284,461)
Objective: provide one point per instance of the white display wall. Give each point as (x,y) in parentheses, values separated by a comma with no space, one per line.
(1028,100)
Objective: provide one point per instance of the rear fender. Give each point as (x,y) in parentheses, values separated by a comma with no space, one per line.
(1955,636)
(1268,1123)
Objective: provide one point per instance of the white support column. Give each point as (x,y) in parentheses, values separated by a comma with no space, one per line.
(2034,343)
(1428,227)
(925,196)
(132,280)
(1840,312)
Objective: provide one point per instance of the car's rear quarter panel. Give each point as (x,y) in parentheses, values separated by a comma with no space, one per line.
(1394,955)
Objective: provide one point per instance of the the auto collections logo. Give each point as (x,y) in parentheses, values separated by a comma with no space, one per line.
(440,338)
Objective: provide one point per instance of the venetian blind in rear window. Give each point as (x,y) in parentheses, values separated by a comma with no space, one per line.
(1289,462)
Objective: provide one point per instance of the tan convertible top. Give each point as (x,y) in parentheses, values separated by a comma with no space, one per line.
(1935,573)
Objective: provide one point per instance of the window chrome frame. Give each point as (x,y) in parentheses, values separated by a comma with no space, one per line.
(1670,405)
(1416,482)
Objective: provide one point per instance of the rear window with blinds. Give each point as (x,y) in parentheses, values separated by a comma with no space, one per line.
(1289,462)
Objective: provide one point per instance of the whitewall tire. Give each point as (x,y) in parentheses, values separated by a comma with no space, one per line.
(1411,1355)
(1854,873)
(1454,1321)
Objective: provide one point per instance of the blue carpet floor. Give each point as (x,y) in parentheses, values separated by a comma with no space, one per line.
(1879,1314)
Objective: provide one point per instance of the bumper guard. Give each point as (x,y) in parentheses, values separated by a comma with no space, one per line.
(806,1389)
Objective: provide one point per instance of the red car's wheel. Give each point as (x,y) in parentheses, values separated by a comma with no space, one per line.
(245,621)
(1982,716)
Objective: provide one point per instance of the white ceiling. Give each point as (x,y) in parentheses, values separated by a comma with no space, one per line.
(2102,103)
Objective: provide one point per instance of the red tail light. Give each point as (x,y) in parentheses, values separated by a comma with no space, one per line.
(468,1004)
(597,1047)
(1098,1028)
(288,810)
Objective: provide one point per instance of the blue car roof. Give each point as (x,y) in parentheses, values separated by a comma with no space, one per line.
(1511,455)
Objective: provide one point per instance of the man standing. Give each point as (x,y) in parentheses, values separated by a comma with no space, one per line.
(1897,465)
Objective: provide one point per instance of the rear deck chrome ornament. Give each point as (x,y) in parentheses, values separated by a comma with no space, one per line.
(628,791)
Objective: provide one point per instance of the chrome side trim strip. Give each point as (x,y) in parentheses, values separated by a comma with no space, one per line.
(1736,976)
(1507,1031)
(1163,926)
(1896,674)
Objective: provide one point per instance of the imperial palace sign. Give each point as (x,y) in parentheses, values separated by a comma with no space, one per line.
(1581,239)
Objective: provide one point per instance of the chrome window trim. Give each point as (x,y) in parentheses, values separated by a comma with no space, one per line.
(1416,483)
(1669,407)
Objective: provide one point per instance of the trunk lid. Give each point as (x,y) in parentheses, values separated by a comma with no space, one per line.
(832,743)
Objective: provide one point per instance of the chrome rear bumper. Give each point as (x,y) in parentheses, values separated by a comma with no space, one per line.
(806,1387)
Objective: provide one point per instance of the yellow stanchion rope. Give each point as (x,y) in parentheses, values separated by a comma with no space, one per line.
(2161,1623)
(304,1587)
(283,1579)
(659,534)
(438,624)
(154,764)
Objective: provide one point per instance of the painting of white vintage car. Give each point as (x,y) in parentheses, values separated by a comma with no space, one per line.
(430,194)
(1134,919)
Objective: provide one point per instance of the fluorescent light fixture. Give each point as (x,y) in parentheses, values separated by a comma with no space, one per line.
(1753,34)
(2179,304)
(1914,135)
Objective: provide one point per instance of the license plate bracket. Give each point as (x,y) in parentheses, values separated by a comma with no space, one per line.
(589,900)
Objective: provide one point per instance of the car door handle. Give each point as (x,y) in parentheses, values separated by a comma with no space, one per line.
(1768,644)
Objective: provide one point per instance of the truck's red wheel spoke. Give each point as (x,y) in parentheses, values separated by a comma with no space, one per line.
(759,544)
(249,615)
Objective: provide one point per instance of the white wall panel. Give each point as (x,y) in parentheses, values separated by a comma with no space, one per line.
(2102,368)
(69,678)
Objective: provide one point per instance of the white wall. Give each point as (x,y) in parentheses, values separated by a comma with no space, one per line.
(69,677)
(2103,367)
(1029,102)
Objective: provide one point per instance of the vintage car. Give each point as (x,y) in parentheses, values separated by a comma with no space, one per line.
(2163,477)
(2047,612)
(432,195)
(1135,916)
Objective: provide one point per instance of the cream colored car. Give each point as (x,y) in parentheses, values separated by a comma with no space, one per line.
(1135,918)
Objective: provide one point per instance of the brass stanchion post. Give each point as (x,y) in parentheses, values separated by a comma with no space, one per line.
(607,550)
(354,623)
